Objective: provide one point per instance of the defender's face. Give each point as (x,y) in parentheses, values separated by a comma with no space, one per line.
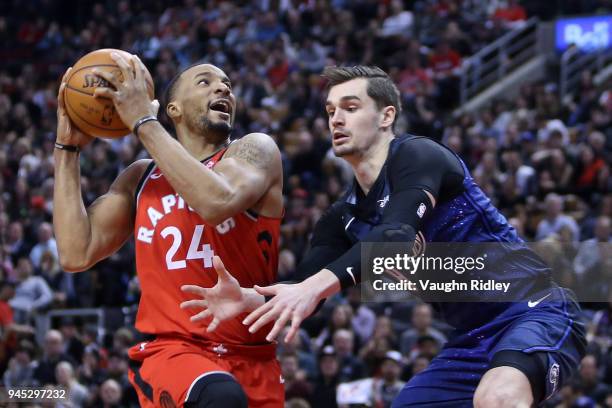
(205,97)
(353,117)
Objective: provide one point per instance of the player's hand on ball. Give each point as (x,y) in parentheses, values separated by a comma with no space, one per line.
(130,96)
(67,132)
(223,301)
(293,302)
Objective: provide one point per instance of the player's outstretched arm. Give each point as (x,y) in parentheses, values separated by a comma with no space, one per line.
(402,218)
(84,236)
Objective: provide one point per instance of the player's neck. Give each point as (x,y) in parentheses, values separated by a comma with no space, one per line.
(199,147)
(368,166)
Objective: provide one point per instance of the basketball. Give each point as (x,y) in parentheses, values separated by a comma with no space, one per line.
(96,116)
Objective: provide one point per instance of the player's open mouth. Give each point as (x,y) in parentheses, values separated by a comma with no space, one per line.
(222,106)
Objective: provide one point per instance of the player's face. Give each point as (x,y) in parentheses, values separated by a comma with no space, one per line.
(206,100)
(353,117)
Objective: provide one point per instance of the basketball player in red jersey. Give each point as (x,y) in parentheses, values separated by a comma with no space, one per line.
(201,199)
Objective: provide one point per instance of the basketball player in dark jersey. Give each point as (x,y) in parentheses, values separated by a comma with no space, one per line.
(406,188)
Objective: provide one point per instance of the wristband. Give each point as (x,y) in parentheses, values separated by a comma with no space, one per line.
(141,122)
(68,148)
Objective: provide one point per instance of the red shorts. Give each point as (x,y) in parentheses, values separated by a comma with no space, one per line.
(162,371)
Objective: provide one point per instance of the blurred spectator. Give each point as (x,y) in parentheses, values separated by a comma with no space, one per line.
(76,392)
(90,372)
(324,391)
(117,369)
(421,326)
(510,13)
(351,368)
(389,384)
(20,372)
(62,284)
(594,251)
(53,353)
(32,293)
(555,220)
(364,319)
(419,363)
(341,318)
(306,359)
(16,245)
(572,396)
(589,377)
(398,23)
(7,291)
(296,385)
(46,243)
(110,395)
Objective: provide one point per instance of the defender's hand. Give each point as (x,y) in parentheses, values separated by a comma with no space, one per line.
(223,301)
(67,132)
(130,96)
(290,302)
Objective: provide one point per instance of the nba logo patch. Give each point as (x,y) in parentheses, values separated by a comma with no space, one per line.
(421,210)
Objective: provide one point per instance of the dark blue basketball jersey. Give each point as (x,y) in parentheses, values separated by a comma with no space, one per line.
(466,217)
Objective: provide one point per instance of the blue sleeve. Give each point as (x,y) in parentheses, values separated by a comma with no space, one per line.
(418,165)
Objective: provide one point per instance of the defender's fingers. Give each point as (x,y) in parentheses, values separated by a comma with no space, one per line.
(213,325)
(265,319)
(195,303)
(204,314)
(296,321)
(271,290)
(195,289)
(280,323)
(255,314)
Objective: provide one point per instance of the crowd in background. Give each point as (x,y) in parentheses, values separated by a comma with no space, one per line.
(544,161)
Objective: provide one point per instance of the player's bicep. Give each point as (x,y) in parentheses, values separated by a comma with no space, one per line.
(111,216)
(250,166)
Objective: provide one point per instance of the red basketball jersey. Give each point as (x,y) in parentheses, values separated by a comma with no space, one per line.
(175,246)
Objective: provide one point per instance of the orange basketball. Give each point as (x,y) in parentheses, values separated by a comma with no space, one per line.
(96,116)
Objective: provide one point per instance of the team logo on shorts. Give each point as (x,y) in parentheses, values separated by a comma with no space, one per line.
(553,377)
(220,349)
(165,400)
(421,210)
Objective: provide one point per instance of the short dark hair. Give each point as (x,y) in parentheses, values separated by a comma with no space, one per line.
(380,86)
(171,87)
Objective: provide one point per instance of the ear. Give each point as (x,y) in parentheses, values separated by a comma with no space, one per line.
(173,110)
(388,116)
